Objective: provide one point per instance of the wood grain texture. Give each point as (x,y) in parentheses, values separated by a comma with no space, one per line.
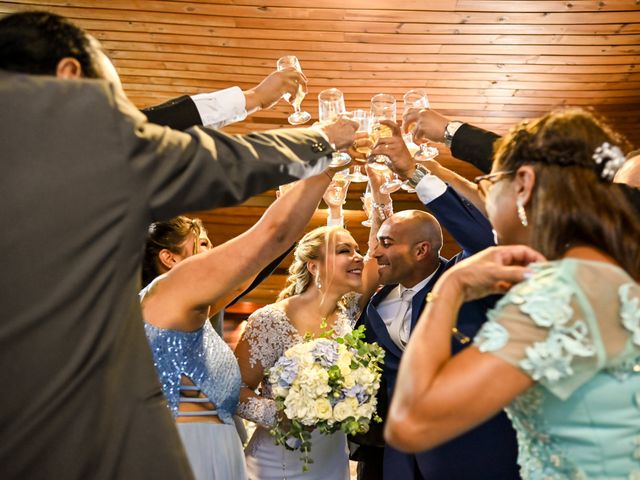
(488,62)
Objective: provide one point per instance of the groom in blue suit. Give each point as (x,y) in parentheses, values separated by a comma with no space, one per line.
(409,262)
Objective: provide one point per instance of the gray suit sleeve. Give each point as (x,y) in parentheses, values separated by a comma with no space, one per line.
(203,168)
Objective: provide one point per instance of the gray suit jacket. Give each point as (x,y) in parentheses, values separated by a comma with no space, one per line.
(84,174)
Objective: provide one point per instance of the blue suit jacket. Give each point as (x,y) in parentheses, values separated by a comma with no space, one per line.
(490,450)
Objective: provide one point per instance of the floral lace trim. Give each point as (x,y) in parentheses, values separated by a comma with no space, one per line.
(630,311)
(270,333)
(547,301)
(258,410)
(539,456)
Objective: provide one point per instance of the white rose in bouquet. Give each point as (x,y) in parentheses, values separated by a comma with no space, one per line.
(329,384)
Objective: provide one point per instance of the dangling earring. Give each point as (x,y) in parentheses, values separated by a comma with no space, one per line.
(522,215)
(318,284)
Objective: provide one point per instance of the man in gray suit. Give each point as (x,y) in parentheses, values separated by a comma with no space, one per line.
(84,173)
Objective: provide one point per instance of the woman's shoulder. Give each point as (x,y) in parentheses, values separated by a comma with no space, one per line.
(564,277)
(271,316)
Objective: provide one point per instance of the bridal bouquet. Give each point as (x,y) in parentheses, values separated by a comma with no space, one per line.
(329,384)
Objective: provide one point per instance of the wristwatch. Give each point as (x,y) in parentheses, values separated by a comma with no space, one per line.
(418,174)
(450,130)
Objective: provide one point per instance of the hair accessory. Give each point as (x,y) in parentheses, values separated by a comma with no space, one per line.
(522,214)
(611,158)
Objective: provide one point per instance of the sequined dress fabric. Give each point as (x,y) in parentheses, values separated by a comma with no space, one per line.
(574,328)
(202,356)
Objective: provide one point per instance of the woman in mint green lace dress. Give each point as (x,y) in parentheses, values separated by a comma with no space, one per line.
(561,349)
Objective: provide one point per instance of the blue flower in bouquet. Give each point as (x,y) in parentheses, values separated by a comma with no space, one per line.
(325,352)
(357,391)
(287,369)
(329,384)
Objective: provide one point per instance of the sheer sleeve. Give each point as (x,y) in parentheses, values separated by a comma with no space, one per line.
(267,336)
(558,328)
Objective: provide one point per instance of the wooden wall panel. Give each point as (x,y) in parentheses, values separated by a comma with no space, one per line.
(488,62)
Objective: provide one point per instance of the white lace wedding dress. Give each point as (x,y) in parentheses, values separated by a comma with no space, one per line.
(269,334)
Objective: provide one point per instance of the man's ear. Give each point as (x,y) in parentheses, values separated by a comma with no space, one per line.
(422,250)
(68,68)
(167,258)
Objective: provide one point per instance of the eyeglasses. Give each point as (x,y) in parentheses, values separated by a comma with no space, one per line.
(485,182)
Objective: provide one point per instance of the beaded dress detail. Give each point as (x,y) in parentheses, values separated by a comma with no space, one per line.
(574,328)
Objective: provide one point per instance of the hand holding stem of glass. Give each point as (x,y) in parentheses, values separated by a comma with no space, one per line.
(362,145)
(383,107)
(417,98)
(298,117)
(330,106)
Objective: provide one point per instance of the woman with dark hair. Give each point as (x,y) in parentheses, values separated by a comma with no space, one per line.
(188,278)
(561,350)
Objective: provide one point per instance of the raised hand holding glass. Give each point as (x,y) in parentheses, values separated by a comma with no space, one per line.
(330,106)
(298,117)
(417,98)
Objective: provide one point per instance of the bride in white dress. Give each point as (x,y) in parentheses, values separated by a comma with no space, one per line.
(324,276)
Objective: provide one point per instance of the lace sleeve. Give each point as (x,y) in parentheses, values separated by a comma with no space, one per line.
(268,335)
(540,327)
(260,410)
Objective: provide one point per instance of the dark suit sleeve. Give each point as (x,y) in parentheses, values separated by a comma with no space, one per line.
(178,113)
(202,168)
(468,226)
(474,145)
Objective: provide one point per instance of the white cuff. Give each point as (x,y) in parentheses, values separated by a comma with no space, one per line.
(430,188)
(221,108)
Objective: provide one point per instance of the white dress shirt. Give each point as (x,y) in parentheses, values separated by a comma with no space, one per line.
(221,108)
(388,308)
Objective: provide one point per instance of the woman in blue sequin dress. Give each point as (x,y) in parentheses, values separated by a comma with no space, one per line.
(561,349)
(198,371)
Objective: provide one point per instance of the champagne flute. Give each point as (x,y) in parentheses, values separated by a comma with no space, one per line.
(392,182)
(338,188)
(298,117)
(363,117)
(418,99)
(383,107)
(330,106)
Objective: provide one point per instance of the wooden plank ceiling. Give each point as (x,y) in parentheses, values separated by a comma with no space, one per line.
(488,62)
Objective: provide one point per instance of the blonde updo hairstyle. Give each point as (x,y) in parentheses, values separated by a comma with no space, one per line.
(309,248)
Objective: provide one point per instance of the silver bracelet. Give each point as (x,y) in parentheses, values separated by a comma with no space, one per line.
(384,210)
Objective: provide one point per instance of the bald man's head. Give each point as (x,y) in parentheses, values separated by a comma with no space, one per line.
(409,244)
(629,173)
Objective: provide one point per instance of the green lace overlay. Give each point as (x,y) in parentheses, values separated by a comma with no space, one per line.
(574,328)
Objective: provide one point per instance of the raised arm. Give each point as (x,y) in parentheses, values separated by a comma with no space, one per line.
(207,278)
(467,142)
(203,168)
(460,184)
(220,108)
(469,227)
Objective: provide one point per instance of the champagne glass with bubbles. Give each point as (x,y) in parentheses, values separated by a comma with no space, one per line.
(383,107)
(298,117)
(418,99)
(363,117)
(330,106)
